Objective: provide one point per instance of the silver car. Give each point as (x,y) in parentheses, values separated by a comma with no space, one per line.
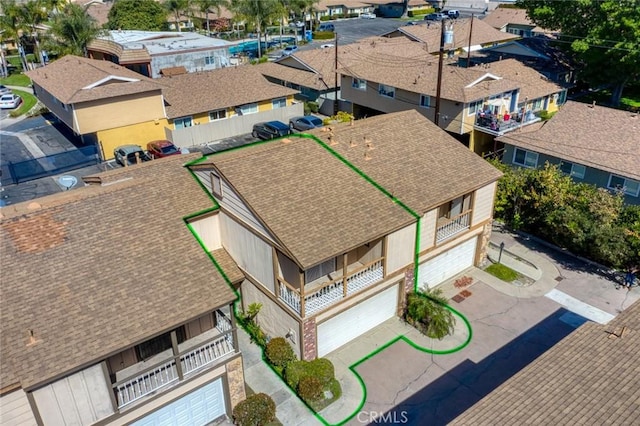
(126,154)
(305,123)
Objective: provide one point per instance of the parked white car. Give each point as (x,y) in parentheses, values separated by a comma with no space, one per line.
(4,90)
(10,101)
(368,15)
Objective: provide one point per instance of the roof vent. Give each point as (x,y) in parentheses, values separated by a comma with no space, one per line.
(593,105)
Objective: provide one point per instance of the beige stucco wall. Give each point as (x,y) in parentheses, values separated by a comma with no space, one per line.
(208,230)
(483,203)
(428,229)
(400,248)
(55,106)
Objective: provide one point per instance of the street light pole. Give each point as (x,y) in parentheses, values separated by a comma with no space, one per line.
(439,84)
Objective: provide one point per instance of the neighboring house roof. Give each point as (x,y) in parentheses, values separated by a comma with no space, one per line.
(74,79)
(590,377)
(98,269)
(324,5)
(482,34)
(97,9)
(501,17)
(296,76)
(296,184)
(458,84)
(594,136)
(227,87)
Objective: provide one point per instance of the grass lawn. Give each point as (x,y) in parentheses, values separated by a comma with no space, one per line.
(16,80)
(28,101)
(505,273)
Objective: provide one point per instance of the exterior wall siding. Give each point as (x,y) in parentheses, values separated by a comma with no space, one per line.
(208,230)
(119,112)
(483,204)
(428,229)
(251,253)
(54,105)
(139,134)
(81,398)
(15,410)
(400,248)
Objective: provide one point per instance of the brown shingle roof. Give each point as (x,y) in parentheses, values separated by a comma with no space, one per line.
(598,137)
(587,378)
(225,88)
(95,270)
(501,17)
(482,34)
(302,186)
(296,76)
(67,78)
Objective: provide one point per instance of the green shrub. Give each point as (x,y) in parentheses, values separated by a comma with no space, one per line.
(310,388)
(311,107)
(279,352)
(293,372)
(545,115)
(256,410)
(325,18)
(323,35)
(429,314)
(322,369)
(418,12)
(502,272)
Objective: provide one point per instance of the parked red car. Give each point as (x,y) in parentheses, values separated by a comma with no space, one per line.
(162,148)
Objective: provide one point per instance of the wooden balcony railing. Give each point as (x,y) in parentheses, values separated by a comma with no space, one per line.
(447,228)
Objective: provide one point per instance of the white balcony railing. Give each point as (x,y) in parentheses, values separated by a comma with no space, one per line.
(146,383)
(331,292)
(207,354)
(447,228)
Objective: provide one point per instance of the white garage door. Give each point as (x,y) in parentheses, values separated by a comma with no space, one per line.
(355,321)
(195,409)
(448,264)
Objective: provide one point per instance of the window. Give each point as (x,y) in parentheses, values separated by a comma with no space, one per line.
(425,101)
(537,104)
(159,344)
(628,186)
(525,158)
(279,103)
(387,91)
(210,60)
(474,107)
(220,114)
(321,270)
(181,123)
(356,83)
(248,109)
(574,170)
(216,185)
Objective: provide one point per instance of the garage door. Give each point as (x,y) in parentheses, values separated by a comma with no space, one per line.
(195,409)
(352,323)
(448,264)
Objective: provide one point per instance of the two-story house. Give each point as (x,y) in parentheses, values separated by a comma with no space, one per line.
(514,21)
(333,228)
(112,312)
(591,143)
(476,105)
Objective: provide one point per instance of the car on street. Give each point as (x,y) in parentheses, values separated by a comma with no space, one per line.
(10,101)
(368,15)
(298,24)
(453,14)
(289,50)
(128,154)
(305,123)
(162,148)
(327,45)
(435,17)
(270,130)
(326,26)
(4,90)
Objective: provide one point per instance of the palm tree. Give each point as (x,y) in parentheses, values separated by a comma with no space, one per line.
(72,30)
(10,27)
(206,6)
(177,8)
(31,14)
(429,313)
(258,12)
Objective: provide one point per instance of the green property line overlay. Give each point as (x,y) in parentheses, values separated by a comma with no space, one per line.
(416,259)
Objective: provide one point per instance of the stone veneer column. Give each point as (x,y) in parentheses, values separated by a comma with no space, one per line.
(484,243)
(309,331)
(235,377)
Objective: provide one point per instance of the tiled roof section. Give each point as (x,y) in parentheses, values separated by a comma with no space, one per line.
(412,158)
(482,34)
(298,186)
(125,56)
(532,84)
(229,87)
(590,377)
(100,268)
(594,136)
(228,265)
(66,78)
(350,4)
(501,17)
(296,76)
(421,76)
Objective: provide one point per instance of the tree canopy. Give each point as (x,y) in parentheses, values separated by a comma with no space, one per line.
(71,30)
(602,35)
(144,15)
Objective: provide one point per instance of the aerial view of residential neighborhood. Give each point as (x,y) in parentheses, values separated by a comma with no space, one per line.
(319,212)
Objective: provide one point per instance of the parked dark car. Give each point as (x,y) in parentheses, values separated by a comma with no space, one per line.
(435,17)
(162,148)
(305,123)
(126,154)
(270,130)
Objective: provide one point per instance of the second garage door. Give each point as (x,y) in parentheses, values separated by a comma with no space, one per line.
(447,264)
(357,320)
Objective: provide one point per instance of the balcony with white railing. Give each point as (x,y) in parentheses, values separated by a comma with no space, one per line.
(166,368)
(449,227)
(320,296)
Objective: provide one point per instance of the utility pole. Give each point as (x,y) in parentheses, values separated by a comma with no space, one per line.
(335,79)
(440,61)
(469,51)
